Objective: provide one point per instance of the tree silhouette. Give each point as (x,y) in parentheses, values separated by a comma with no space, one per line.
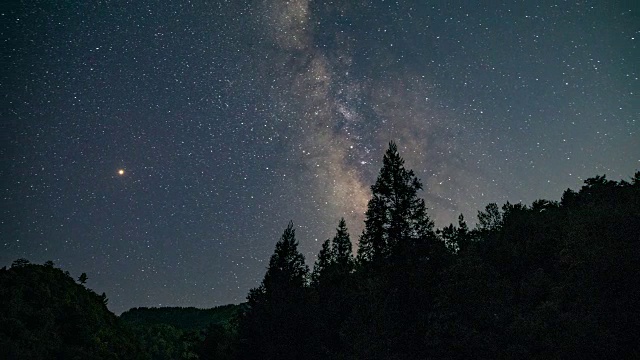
(457,239)
(342,249)
(490,219)
(20,262)
(550,280)
(287,272)
(395,216)
(331,294)
(45,314)
(82,279)
(398,261)
(326,259)
(335,259)
(274,323)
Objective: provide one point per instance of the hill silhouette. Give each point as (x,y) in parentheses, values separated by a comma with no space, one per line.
(185,318)
(45,314)
(550,280)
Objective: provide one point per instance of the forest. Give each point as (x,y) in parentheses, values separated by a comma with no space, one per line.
(554,279)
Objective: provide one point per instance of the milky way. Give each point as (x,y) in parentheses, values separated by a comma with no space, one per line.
(343,115)
(229,119)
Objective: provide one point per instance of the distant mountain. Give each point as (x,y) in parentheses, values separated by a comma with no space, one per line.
(45,314)
(188,318)
(184,333)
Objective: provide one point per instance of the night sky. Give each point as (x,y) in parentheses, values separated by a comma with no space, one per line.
(228,119)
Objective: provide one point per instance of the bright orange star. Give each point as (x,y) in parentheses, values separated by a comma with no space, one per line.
(121,172)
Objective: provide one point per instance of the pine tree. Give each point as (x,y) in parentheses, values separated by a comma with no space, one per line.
(326,259)
(286,275)
(335,259)
(342,249)
(331,293)
(399,260)
(273,325)
(395,216)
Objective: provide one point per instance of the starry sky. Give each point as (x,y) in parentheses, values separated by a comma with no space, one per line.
(230,118)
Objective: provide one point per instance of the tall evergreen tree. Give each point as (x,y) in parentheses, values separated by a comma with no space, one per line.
(324,262)
(342,249)
(399,258)
(273,326)
(287,272)
(335,259)
(395,215)
(331,290)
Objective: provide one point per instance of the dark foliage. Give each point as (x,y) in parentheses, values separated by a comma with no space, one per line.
(549,280)
(396,218)
(330,294)
(82,279)
(184,333)
(552,280)
(45,314)
(399,260)
(275,324)
(184,318)
(166,342)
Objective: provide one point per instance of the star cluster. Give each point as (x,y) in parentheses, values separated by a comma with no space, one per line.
(162,147)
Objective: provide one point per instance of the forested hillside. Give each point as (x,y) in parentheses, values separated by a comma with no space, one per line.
(174,333)
(188,318)
(45,314)
(554,279)
(550,280)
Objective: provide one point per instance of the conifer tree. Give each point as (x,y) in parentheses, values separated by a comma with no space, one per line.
(399,260)
(324,262)
(342,249)
(331,293)
(273,324)
(335,259)
(395,215)
(286,275)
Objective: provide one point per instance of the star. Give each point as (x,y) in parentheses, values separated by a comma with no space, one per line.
(310,96)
